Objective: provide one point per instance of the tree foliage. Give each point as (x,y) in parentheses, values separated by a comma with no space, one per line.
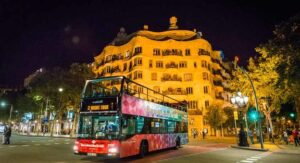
(215,116)
(286,45)
(71,80)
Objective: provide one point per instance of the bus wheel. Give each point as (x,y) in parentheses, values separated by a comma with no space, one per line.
(177,146)
(143,148)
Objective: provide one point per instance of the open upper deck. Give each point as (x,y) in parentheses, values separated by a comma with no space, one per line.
(106,87)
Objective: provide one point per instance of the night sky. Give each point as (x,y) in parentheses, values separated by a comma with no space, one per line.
(43,33)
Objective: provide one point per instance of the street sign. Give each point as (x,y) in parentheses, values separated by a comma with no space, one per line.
(235,115)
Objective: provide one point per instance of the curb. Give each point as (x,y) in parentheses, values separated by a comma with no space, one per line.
(67,137)
(249,148)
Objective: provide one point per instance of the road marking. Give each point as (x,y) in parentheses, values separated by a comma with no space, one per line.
(37,144)
(25,145)
(56,143)
(188,155)
(12,146)
(67,143)
(33,141)
(246,161)
(48,144)
(256,157)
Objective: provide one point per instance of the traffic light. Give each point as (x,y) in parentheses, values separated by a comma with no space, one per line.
(252,114)
(292,115)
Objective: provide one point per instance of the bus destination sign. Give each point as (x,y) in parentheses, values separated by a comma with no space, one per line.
(98,107)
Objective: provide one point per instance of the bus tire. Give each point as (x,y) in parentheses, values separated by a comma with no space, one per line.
(177,143)
(143,148)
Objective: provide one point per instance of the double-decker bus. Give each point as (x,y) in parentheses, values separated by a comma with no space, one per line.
(119,117)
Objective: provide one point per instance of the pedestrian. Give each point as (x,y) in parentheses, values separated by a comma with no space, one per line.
(250,133)
(295,136)
(204,132)
(7,135)
(3,136)
(285,137)
(194,133)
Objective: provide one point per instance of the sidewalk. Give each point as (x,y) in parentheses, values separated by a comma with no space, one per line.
(43,135)
(212,140)
(232,141)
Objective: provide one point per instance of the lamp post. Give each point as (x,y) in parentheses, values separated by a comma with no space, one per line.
(3,104)
(241,101)
(255,97)
(60,90)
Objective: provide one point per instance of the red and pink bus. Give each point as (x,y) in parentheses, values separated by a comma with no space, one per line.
(120,117)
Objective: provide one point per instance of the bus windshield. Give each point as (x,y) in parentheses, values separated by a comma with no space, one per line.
(102,87)
(98,127)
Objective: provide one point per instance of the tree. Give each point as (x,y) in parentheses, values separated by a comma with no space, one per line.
(79,73)
(230,118)
(215,116)
(285,45)
(25,104)
(71,80)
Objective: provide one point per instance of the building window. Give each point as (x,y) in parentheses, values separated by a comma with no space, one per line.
(138,75)
(205,76)
(137,50)
(130,66)
(188,77)
(205,89)
(208,66)
(192,104)
(195,64)
(203,52)
(187,52)
(130,76)
(203,64)
(127,55)
(182,64)
(150,64)
(156,52)
(189,90)
(108,58)
(159,64)
(140,89)
(137,62)
(124,66)
(156,89)
(206,104)
(154,76)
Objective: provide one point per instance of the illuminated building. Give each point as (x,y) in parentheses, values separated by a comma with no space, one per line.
(178,63)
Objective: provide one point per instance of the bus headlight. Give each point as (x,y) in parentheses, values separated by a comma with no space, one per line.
(75,148)
(112,150)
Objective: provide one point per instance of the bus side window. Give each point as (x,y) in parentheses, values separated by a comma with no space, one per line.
(128,125)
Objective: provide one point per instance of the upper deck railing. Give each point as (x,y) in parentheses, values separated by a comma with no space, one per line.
(132,88)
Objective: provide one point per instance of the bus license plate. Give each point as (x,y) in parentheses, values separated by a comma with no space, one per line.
(91,154)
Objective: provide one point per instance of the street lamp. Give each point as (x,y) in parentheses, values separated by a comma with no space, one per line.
(3,104)
(60,89)
(255,97)
(241,101)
